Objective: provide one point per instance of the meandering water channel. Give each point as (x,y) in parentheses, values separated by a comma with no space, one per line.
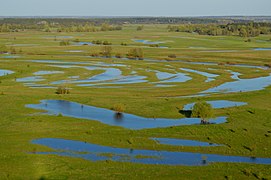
(96,152)
(106,116)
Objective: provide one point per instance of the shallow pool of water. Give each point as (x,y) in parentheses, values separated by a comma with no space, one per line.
(85,43)
(242,85)
(218,104)
(103,64)
(114,76)
(109,74)
(59,62)
(130,121)
(235,75)
(183,142)
(11,57)
(73,77)
(94,152)
(47,72)
(147,41)
(262,49)
(178,77)
(164,75)
(4,72)
(216,64)
(30,79)
(210,77)
(130,80)
(133,79)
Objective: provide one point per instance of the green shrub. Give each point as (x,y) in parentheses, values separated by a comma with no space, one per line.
(3,49)
(154,45)
(118,55)
(64,43)
(139,28)
(106,51)
(172,56)
(12,50)
(62,90)
(119,108)
(135,53)
(94,54)
(107,43)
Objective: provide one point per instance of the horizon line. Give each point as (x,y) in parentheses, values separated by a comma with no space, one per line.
(124,16)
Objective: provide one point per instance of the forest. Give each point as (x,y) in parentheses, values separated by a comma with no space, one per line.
(251,29)
(202,26)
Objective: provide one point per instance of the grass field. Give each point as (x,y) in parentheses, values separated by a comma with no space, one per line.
(247,132)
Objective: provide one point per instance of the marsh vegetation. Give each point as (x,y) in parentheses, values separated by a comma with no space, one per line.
(203,76)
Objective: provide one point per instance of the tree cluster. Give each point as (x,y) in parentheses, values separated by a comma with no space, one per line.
(62,90)
(106,51)
(135,53)
(238,29)
(50,27)
(99,42)
(89,28)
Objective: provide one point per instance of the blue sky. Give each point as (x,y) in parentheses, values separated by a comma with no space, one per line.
(134,7)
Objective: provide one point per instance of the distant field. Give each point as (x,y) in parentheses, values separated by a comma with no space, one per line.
(157,87)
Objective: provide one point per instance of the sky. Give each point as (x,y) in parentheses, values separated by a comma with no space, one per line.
(135,7)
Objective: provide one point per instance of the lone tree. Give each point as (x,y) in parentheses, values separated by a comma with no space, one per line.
(202,110)
(119,108)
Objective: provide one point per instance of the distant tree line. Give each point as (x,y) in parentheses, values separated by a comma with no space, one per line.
(201,25)
(89,28)
(58,27)
(251,29)
(97,21)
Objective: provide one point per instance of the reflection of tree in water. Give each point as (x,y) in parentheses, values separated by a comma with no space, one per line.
(118,117)
(65,105)
(253,158)
(204,160)
(186,113)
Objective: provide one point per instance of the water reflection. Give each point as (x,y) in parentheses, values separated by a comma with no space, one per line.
(94,152)
(106,116)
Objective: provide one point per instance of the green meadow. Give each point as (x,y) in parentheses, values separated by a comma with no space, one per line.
(247,131)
